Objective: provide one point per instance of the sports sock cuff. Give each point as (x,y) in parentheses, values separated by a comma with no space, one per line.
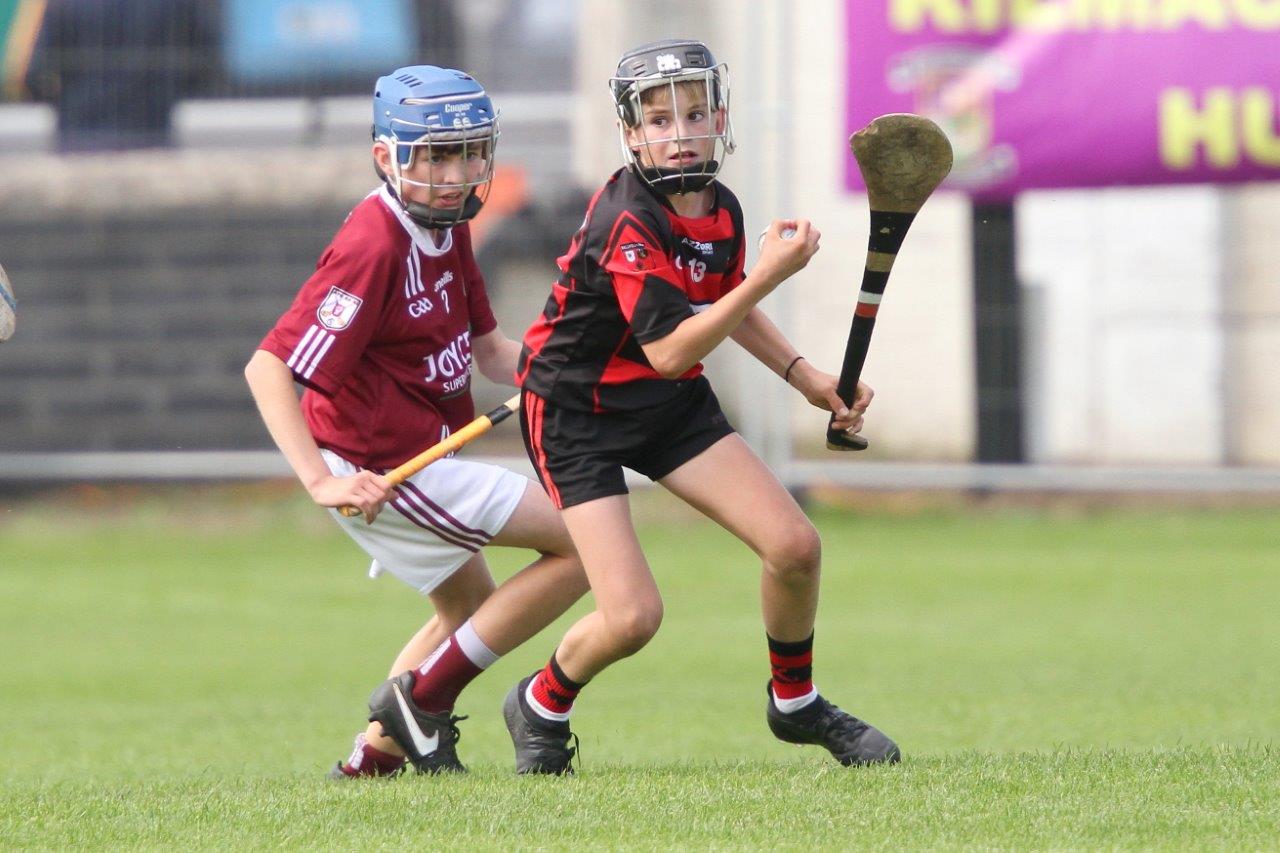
(799,647)
(473,647)
(531,699)
(790,706)
(565,680)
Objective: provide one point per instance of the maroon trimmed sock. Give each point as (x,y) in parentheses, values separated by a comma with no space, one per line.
(365,760)
(441,677)
(792,665)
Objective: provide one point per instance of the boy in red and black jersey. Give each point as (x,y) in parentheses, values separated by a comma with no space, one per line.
(652,282)
(634,272)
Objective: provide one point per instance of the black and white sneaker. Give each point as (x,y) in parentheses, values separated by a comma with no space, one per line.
(542,745)
(429,740)
(849,739)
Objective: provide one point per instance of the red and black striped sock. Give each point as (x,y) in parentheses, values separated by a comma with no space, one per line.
(551,693)
(792,665)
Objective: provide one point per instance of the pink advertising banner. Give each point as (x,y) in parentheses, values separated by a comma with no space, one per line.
(1076,93)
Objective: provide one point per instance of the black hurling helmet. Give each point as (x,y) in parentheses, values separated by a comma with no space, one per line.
(666,63)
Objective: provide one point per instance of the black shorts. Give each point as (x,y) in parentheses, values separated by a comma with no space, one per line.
(579,456)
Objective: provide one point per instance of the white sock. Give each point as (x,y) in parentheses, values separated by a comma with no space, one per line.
(790,706)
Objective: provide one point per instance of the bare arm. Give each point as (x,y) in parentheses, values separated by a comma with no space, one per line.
(759,336)
(271,383)
(495,355)
(695,337)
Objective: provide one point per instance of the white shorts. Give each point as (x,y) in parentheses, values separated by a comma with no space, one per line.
(439,518)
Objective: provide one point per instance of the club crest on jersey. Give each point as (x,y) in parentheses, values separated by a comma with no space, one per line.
(338,309)
(636,254)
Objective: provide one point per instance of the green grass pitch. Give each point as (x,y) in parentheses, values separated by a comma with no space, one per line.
(180,672)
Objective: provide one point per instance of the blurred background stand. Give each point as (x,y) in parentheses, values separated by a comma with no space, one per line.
(1058,336)
(113,69)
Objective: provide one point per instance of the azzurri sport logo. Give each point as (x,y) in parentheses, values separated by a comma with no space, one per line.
(698,246)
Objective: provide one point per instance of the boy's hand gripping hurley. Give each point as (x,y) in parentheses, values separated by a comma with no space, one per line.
(455,442)
(903,158)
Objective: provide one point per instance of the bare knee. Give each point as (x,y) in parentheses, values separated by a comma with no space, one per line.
(631,628)
(793,554)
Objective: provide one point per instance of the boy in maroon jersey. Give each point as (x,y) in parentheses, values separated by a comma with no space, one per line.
(652,282)
(383,337)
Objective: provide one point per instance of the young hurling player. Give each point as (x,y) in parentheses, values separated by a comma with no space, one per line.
(383,337)
(652,282)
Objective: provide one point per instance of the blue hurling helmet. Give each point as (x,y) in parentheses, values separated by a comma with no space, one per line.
(430,108)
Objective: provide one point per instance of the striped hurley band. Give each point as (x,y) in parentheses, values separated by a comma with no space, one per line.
(868,304)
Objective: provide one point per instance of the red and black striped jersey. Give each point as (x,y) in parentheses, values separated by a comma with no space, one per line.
(634,271)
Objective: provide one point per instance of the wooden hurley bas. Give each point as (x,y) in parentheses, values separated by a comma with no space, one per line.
(452,444)
(903,158)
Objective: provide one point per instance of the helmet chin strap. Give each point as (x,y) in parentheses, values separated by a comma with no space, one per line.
(679,181)
(434,217)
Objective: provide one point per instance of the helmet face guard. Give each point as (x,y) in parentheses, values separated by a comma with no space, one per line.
(477,143)
(424,111)
(672,64)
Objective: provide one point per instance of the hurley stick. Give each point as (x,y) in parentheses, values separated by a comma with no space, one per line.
(473,430)
(902,158)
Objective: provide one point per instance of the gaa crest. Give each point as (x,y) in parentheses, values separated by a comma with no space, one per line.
(338,309)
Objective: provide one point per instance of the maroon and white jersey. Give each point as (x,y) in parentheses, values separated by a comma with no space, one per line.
(380,335)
